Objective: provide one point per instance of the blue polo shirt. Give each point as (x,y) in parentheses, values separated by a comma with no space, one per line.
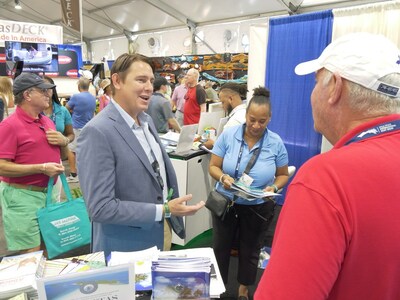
(273,154)
(83,106)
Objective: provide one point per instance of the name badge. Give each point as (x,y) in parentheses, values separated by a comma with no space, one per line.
(246,179)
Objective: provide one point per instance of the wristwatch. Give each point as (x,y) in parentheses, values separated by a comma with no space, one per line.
(167,213)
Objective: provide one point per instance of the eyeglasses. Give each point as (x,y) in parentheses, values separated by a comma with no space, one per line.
(156,168)
(41,91)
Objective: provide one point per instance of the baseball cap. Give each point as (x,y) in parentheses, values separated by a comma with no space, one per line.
(86,74)
(360,57)
(27,80)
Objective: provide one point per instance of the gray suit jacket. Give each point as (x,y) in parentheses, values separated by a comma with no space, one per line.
(119,185)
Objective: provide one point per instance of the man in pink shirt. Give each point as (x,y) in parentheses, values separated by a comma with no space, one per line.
(29,155)
(178,99)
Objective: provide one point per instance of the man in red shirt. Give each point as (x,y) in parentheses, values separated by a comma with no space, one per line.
(338,236)
(29,154)
(195,99)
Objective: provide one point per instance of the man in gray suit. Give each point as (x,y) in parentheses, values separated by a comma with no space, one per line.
(125,174)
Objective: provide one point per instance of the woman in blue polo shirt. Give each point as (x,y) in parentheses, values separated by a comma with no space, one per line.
(232,152)
(59,115)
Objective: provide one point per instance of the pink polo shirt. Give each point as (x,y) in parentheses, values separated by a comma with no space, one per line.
(23,141)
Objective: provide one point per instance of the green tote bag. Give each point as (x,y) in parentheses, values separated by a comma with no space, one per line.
(64,225)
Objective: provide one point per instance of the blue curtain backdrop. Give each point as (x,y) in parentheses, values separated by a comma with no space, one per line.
(293,40)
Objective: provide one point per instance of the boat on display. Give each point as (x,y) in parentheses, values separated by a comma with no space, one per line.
(32,56)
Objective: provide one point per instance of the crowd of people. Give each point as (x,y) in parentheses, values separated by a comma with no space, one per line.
(340,209)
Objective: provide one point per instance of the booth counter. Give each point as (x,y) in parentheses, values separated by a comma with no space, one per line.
(193,178)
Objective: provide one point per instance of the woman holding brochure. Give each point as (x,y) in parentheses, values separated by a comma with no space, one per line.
(253,156)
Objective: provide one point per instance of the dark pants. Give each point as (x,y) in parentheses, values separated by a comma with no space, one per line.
(251,223)
(269,236)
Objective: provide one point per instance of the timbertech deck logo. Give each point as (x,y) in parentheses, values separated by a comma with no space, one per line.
(65,221)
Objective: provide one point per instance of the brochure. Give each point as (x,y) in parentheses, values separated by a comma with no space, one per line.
(106,283)
(18,273)
(170,137)
(251,193)
(74,264)
(181,278)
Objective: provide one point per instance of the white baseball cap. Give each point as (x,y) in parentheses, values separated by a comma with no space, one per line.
(362,58)
(86,74)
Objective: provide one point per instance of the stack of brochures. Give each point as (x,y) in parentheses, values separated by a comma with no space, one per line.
(142,261)
(250,193)
(18,274)
(74,264)
(181,277)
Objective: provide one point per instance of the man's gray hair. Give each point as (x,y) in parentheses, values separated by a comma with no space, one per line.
(19,98)
(368,101)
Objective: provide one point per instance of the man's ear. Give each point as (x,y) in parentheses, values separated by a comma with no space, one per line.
(116,80)
(336,88)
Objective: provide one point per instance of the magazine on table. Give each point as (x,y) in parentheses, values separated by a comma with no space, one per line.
(251,193)
(181,278)
(18,273)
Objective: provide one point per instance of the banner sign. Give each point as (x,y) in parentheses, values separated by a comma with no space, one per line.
(30,32)
(71,15)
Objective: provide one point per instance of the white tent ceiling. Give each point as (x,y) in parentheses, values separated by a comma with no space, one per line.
(111,18)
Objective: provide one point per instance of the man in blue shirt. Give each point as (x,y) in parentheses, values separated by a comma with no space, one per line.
(82,107)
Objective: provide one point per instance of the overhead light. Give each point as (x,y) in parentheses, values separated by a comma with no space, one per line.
(17,5)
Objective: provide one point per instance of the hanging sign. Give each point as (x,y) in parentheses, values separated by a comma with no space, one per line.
(71,14)
(30,32)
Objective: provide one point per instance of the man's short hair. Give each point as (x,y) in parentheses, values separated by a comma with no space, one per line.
(123,63)
(83,84)
(159,82)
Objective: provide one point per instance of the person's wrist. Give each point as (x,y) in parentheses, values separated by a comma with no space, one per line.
(276,189)
(44,168)
(221,178)
(66,141)
(167,212)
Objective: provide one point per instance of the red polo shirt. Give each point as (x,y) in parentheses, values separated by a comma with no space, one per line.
(193,101)
(23,141)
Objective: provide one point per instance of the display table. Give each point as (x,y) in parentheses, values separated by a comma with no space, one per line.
(193,178)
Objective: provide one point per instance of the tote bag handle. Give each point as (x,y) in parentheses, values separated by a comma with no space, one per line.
(65,187)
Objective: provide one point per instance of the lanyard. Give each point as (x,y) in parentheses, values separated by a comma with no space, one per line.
(376,130)
(254,157)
